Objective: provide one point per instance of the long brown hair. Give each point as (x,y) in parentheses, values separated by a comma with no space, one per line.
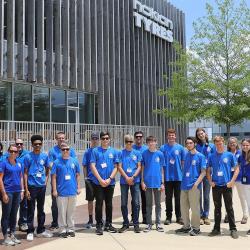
(197,138)
(246,155)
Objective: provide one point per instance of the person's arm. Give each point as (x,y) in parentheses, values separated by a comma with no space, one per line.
(209,178)
(138,170)
(47,175)
(54,189)
(122,172)
(78,183)
(143,185)
(200,178)
(236,172)
(84,169)
(113,174)
(96,174)
(22,186)
(27,193)
(4,195)
(162,178)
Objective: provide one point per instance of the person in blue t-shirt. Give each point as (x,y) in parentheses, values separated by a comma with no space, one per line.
(22,222)
(130,168)
(36,174)
(104,161)
(11,188)
(88,176)
(244,161)
(138,145)
(1,152)
(174,156)
(54,154)
(233,147)
(206,148)
(152,181)
(193,172)
(219,176)
(66,185)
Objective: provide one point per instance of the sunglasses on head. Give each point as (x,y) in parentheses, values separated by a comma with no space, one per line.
(13,151)
(65,149)
(105,138)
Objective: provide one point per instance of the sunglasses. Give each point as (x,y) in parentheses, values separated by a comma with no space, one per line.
(138,136)
(19,144)
(128,141)
(105,138)
(13,151)
(65,149)
(37,144)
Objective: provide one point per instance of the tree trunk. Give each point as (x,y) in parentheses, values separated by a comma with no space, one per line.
(228,126)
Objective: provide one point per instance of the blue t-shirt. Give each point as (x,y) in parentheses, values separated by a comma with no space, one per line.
(206,149)
(129,161)
(245,170)
(105,160)
(36,165)
(2,157)
(221,165)
(12,175)
(193,166)
(56,153)
(174,155)
(65,171)
(237,155)
(20,157)
(140,148)
(153,163)
(86,163)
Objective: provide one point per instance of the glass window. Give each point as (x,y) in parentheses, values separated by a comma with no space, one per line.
(58,105)
(41,104)
(86,108)
(72,99)
(22,102)
(5,101)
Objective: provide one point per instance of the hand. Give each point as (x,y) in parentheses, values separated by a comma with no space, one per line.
(78,191)
(103,183)
(212,184)
(143,186)
(55,194)
(195,186)
(130,181)
(162,187)
(230,184)
(22,195)
(27,194)
(5,198)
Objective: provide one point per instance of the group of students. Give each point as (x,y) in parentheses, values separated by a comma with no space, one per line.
(184,173)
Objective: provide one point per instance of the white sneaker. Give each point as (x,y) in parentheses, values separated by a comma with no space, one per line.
(8,242)
(14,239)
(44,234)
(30,237)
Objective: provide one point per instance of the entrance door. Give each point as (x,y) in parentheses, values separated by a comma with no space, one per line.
(73,120)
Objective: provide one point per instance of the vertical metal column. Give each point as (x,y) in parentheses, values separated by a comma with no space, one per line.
(1,35)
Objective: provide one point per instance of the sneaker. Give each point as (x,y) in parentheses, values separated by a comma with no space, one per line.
(30,237)
(207,221)
(214,232)
(8,242)
(148,228)
(202,221)
(14,239)
(71,234)
(131,223)
(159,228)
(110,228)
(137,229)
(179,221)
(99,230)
(244,220)
(88,225)
(167,222)
(44,234)
(23,227)
(123,229)
(226,219)
(234,234)
(248,232)
(194,232)
(63,235)
(183,230)
(53,227)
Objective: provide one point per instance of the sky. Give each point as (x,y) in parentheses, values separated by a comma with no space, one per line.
(194,9)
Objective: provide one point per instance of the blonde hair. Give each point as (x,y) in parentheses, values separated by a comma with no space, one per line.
(128,137)
(218,138)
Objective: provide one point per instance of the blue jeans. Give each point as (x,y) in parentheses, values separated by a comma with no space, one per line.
(23,212)
(9,212)
(205,202)
(37,195)
(135,193)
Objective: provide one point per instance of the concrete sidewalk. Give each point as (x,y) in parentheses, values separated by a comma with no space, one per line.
(87,239)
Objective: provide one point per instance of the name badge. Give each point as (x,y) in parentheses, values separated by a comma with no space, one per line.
(232,169)
(67,177)
(129,170)
(172,161)
(104,165)
(187,174)
(39,175)
(220,173)
(244,180)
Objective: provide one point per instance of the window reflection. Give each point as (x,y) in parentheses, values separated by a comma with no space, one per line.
(72,99)
(5,101)
(58,105)
(86,108)
(41,104)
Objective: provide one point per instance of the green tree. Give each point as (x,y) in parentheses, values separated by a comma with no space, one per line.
(212,78)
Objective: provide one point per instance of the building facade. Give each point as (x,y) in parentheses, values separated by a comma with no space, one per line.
(88,61)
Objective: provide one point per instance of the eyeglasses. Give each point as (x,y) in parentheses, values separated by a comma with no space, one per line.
(19,144)
(65,149)
(105,138)
(138,136)
(13,151)
(37,144)
(128,141)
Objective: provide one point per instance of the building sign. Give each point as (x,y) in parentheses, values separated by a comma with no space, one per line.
(153,22)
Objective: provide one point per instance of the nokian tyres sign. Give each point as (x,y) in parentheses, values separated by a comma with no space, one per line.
(152,21)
